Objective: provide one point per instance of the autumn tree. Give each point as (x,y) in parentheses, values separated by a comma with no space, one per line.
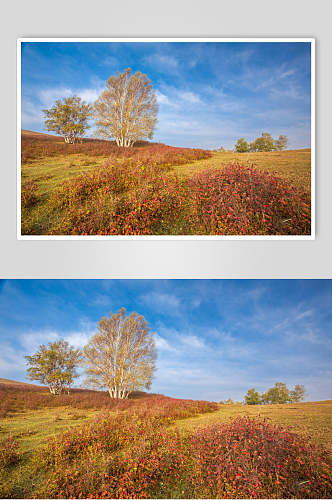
(252,397)
(297,394)
(281,143)
(54,365)
(127,109)
(263,143)
(68,118)
(241,146)
(121,355)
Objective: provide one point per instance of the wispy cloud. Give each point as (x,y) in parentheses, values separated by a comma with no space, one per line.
(162,62)
(165,302)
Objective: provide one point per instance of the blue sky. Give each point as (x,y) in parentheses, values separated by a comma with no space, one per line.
(209,94)
(215,338)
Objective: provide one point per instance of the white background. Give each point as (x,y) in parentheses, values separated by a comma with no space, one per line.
(169,259)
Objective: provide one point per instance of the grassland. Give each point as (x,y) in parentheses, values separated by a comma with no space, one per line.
(112,190)
(32,428)
(312,420)
(292,165)
(159,447)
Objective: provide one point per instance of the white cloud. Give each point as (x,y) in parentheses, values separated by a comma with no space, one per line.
(11,360)
(163,301)
(78,339)
(193,341)
(190,97)
(48,96)
(162,344)
(32,340)
(163,99)
(162,62)
(31,113)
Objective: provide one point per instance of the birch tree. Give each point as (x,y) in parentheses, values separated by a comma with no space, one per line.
(68,118)
(54,365)
(127,109)
(121,356)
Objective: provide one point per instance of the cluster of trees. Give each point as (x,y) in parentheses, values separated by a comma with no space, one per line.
(263,143)
(279,394)
(126,111)
(120,357)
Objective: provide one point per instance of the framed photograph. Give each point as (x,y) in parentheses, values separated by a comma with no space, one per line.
(166,138)
(157,389)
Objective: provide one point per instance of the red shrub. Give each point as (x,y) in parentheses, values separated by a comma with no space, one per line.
(242,200)
(9,454)
(29,194)
(245,458)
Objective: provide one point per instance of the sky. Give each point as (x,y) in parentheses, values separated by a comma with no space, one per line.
(209,94)
(215,339)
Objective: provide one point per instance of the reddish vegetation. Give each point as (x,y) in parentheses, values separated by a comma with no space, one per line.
(146,199)
(133,454)
(138,193)
(29,194)
(34,147)
(9,453)
(243,200)
(14,398)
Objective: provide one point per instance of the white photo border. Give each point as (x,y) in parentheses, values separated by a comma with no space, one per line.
(312,236)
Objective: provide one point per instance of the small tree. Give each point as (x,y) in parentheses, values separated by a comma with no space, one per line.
(127,109)
(263,143)
(54,365)
(279,394)
(297,394)
(281,143)
(68,118)
(252,397)
(121,356)
(241,146)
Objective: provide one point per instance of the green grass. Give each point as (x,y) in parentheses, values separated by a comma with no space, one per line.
(50,172)
(32,428)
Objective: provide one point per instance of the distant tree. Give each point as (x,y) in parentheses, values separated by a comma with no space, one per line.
(54,365)
(228,401)
(68,118)
(241,146)
(127,109)
(263,143)
(281,143)
(279,394)
(121,356)
(252,397)
(297,394)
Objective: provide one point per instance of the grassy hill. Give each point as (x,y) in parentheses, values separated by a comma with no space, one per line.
(81,445)
(97,188)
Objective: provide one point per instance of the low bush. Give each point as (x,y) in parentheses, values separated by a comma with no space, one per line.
(242,200)
(245,458)
(9,453)
(33,148)
(150,200)
(29,194)
(14,398)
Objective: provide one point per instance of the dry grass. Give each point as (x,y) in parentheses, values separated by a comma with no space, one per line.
(314,420)
(294,165)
